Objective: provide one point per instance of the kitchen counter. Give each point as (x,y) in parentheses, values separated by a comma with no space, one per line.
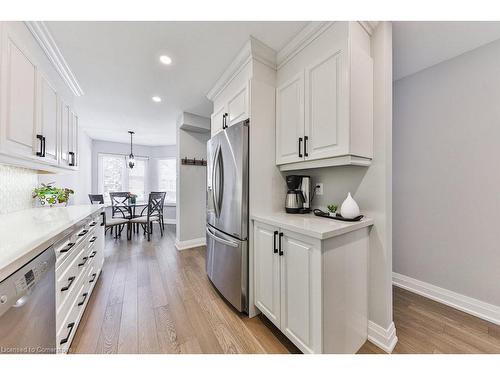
(311,225)
(25,234)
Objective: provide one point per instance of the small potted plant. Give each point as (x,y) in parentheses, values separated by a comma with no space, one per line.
(132,198)
(332,209)
(49,195)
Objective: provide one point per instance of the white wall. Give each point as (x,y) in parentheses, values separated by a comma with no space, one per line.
(447,176)
(152,152)
(191,180)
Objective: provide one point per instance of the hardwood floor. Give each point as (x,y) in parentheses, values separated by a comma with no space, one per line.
(152,298)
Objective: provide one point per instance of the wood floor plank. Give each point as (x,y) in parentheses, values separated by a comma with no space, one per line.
(166,332)
(110,330)
(128,338)
(147,337)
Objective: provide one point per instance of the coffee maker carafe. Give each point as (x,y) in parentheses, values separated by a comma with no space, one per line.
(298,199)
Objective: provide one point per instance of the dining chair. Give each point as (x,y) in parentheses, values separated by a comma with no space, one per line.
(96,198)
(153,213)
(109,224)
(162,219)
(120,210)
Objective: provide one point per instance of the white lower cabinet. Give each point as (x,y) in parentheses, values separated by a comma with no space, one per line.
(314,291)
(80,257)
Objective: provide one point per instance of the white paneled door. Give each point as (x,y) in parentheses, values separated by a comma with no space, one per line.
(48,123)
(267,275)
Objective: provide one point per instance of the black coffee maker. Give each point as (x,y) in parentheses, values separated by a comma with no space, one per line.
(296,202)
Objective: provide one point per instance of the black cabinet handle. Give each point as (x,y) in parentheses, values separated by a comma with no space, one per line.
(72,159)
(83,233)
(68,248)
(280,246)
(93,278)
(275,248)
(70,327)
(41,152)
(92,224)
(84,295)
(224,121)
(93,254)
(305,145)
(300,147)
(93,239)
(70,281)
(84,260)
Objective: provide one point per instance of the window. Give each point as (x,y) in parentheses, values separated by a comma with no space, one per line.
(115,175)
(167,171)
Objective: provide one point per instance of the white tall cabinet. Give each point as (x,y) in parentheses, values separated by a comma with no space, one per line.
(38,126)
(324,99)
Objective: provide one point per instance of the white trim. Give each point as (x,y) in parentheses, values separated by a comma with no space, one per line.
(170,221)
(252,49)
(327,162)
(472,306)
(385,339)
(49,46)
(183,245)
(301,40)
(368,26)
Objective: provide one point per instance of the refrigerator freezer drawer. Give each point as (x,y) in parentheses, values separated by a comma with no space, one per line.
(227,267)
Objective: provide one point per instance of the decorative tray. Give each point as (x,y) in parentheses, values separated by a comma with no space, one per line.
(320,213)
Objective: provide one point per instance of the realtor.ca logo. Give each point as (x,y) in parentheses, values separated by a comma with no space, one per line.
(27,350)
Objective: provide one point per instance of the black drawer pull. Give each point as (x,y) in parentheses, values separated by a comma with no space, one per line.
(92,224)
(68,248)
(93,278)
(93,254)
(70,281)
(281,249)
(83,233)
(84,260)
(93,239)
(275,248)
(84,295)
(70,327)
(305,145)
(300,147)
(103,218)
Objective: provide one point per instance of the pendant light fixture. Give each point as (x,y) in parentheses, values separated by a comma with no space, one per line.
(131,159)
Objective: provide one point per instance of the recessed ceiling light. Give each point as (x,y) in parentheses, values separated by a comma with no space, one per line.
(165,60)
(156,99)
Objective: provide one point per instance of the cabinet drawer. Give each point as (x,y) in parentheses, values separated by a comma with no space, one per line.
(66,331)
(65,248)
(67,280)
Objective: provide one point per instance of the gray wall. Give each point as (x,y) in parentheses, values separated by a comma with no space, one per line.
(152,152)
(447,176)
(191,184)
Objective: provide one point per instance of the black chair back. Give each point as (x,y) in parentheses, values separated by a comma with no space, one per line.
(119,206)
(155,204)
(96,198)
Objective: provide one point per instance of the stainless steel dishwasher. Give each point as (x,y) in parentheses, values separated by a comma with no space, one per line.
(27,308)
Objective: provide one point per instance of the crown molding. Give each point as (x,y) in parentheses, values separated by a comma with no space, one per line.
(253,49)
(301,40)
(49,46)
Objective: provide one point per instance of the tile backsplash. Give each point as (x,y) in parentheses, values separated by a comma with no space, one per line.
(16,185)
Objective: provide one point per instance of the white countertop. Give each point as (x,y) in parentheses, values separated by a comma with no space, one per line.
(22,233)
(311,225)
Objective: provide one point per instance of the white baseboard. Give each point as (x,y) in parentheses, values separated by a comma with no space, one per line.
(183,245)
(458,301)
(170,221)
(385,339)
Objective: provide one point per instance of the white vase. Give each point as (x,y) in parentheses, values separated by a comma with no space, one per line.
(349,208)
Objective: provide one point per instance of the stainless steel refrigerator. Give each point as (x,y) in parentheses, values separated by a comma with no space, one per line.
(227,213)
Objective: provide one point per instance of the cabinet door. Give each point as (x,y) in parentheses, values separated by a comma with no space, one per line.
(324,115)
(267,271)
(65,120)
(298,268)
(290,121)
(216,120)
(19,120)
(48,123)
(237,106)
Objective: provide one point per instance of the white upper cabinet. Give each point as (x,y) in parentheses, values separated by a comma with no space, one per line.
(48,125)
(290,120)
(237,106)
(333,119)
(18,90)
(38,129)
(217,120)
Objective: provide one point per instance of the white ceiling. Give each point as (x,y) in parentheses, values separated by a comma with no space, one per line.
(116,63)
(419,45)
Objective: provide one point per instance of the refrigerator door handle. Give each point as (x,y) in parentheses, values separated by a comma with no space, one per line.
(221,240)
(214,182)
